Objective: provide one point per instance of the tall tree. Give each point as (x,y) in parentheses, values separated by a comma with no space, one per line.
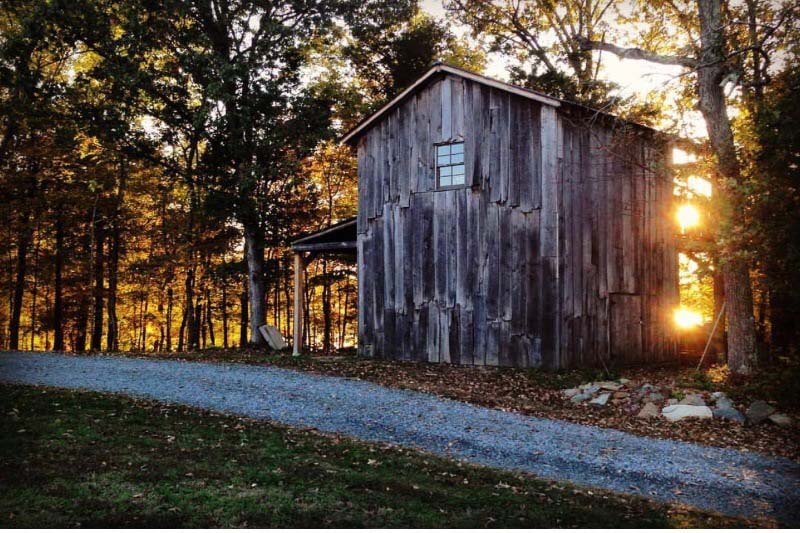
(542,37)
(713,64)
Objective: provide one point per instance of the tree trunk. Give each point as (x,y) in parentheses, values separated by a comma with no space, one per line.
(35,288)
(198,319)
(243,321)
(187,322)
(719,300)
(326,309)
(145,308)
(210,318)
(97,324)
(168,325)
(224,315)
(82,323)
(255,276)
(58,298)
(191,326)
(735,270)
(23,242)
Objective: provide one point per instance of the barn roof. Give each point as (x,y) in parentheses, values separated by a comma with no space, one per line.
(340,237)
(434,71)
(438,69)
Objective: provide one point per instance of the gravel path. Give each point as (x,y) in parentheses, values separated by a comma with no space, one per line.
(716,479)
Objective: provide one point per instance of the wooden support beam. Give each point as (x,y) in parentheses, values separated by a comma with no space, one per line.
(299,284)
(342,246)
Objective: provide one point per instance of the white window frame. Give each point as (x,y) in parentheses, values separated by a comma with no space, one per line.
(450,165)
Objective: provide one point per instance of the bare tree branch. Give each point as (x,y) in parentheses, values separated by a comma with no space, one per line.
(637,53)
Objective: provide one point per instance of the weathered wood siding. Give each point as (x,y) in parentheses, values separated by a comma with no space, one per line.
(556,253)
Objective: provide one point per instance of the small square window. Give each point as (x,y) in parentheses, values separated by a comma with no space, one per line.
(450,165)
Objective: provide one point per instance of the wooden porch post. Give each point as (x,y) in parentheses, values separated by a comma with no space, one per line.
(299,282)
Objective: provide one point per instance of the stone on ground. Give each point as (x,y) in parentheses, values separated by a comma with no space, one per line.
(679,412)
(621,394)
(650,410)
(609,385)
(590,388)
(693,399)
(569,393)
(582,397)
(723,402)
(758,411)
(273,337)
(654,397)
(780,419)
(729,413)
(601,400)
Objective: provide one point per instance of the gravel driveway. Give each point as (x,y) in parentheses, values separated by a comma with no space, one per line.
(715,479)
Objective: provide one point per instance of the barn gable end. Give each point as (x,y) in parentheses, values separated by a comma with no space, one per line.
(558,251)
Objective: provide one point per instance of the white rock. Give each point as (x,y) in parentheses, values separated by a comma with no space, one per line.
(781,420)
(590,388)
(578,398)
(601,400)
(569,393)
(679,412)
(610,385)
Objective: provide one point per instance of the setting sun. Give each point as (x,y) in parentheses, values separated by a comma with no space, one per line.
(688,216)
(687,319)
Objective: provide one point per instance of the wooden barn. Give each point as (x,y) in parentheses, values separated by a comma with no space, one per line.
(499,226)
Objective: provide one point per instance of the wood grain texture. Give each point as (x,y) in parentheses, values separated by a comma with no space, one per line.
(559,252)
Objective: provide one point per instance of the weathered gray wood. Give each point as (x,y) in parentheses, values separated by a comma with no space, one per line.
(559,245)
(447,109)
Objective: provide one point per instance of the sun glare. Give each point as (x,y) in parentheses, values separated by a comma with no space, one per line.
(687,319)
(688,216)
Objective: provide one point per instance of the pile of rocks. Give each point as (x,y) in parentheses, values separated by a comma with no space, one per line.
(649,401)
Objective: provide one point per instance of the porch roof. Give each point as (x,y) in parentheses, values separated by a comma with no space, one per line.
(340,237)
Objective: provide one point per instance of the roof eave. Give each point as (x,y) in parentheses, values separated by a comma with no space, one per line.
(352,136)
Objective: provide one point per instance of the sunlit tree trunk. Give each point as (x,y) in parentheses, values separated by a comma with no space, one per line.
(735,269)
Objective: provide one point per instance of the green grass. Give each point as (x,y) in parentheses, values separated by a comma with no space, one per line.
(85,459)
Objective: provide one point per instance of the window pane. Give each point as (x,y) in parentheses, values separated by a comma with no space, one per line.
(445,181)
(443,160)
(458,175)
(457,158)
(443,149)
(445,171)
(457,148)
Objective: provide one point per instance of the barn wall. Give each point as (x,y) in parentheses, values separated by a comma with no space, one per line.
(478,275)
(618,261)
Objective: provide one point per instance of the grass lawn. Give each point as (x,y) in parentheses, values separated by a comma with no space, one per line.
(78,458)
